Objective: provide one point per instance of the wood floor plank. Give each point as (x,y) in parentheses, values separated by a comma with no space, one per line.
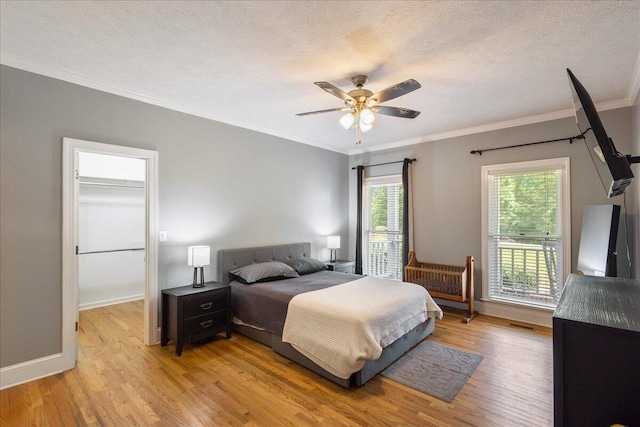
(238,382)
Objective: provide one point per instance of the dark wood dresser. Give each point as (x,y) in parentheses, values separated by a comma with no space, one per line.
(596,352)
(191,314)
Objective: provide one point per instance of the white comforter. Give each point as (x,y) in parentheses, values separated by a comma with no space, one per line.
(341,327)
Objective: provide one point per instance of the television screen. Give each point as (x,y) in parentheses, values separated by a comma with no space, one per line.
(613,168)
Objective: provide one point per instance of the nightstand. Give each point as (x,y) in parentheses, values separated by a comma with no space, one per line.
(341,266)
(191,314)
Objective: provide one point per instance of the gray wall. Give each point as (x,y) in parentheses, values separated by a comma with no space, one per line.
(447,183)
(635,151)
(219,185)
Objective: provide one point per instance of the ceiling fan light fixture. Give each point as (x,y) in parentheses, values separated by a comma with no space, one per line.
(367,117)
(347,120)
(365,128)
(362,103)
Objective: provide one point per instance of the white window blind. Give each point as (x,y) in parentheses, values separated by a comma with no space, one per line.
(382,240)
(525,238)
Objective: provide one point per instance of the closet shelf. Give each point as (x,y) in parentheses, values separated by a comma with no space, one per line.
(104,184)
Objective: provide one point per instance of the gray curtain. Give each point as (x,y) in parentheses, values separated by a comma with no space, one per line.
(407,214)
(360,172)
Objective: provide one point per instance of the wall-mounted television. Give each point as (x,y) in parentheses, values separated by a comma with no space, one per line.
(613,168)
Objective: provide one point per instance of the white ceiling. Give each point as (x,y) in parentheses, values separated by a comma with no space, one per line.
(482,64)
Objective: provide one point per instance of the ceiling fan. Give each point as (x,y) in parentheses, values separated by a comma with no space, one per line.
(361,104)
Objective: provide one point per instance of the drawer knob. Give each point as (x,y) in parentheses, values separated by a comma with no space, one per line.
(206,306)
(206,324)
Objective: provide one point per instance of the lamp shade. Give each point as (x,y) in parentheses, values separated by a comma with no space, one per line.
(198,256)
(333,242)
(367,117)
(365,128)
(347,120)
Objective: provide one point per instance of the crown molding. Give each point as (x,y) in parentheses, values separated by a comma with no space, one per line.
(610,105)
(198,112)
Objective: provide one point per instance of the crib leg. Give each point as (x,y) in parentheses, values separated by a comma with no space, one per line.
(470,290)
(470,317)
(471,313)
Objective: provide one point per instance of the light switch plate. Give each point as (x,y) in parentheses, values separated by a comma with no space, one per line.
(163,236)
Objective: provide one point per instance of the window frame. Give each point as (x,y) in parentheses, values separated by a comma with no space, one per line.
(564,165)
(366,225)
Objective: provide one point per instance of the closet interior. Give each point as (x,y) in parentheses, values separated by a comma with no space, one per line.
(111,246)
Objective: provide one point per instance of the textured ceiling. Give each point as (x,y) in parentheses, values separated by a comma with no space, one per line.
(482,64)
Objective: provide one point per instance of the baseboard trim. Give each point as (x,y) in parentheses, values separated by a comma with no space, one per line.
(540,317)
(111,301)
(30,370)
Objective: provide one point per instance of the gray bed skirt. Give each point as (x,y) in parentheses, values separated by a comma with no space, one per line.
(371,368)
(234,258)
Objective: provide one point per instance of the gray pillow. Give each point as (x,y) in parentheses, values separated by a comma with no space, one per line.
(263,272)
(306,265)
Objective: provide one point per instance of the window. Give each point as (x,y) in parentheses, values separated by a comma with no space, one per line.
(382,227)
(526,231)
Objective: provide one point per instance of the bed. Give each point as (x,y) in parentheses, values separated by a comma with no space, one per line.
(262,315)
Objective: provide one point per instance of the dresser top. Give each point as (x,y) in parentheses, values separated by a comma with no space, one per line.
(605,301)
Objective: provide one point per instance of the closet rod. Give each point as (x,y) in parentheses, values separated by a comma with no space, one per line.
(103,184)
(112,250)
(382,164)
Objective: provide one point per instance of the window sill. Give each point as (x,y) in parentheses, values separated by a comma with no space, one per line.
(518,304)
(530,314)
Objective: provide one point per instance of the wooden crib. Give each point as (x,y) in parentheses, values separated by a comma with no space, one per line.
(449,282)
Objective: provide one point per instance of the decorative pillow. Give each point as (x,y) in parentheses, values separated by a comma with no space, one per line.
(263,272)
(306,265)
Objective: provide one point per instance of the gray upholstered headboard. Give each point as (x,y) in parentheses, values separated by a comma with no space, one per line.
(230,259)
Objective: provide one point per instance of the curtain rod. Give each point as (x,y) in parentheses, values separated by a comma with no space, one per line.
(570,139)
(382,164)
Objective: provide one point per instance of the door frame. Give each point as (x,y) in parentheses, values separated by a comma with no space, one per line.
(70,237)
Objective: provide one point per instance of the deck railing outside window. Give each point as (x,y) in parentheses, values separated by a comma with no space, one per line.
(385,255)
(527,270)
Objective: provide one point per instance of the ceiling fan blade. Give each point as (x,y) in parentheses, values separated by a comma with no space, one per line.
(396,112)
(335,91)
(395,91)
(323,111)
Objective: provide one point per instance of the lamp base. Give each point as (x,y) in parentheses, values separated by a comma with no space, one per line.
(196,283)
(332,256)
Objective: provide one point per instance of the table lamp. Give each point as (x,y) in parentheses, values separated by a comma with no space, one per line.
(198,257)
(333,243)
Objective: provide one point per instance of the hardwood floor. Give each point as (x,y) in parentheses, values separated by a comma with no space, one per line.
(238,382)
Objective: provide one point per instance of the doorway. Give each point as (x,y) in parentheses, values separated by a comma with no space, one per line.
(72,149)
(111,215)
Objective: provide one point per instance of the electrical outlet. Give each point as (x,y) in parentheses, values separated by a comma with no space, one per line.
(163,236)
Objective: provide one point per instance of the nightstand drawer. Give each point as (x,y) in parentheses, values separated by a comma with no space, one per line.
(341,266)
(203,324)
(198,305)
(347,269)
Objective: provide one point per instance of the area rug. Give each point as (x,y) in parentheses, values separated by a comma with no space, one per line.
(434,369)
